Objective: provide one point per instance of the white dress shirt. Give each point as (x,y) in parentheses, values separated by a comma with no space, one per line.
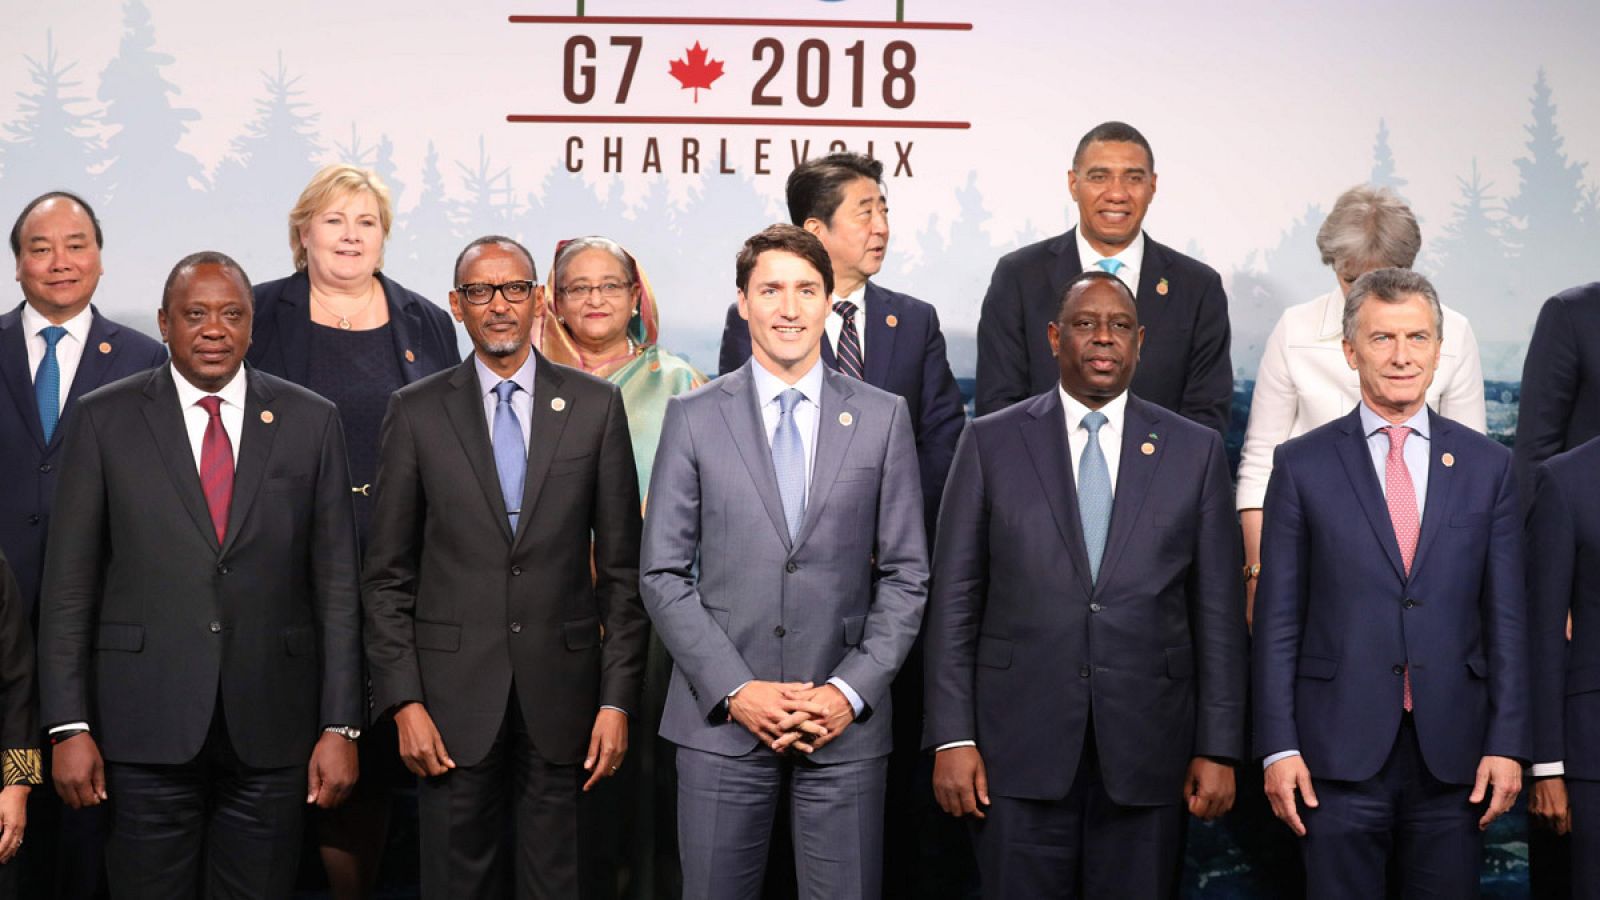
(1131,257)
(69,350)
(195,418)
(1304,382)
(835,323)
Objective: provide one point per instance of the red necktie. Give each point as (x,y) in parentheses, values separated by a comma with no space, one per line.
(1402,495)
(216,466)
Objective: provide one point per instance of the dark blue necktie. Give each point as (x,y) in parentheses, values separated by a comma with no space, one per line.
(510,453)
(47,381)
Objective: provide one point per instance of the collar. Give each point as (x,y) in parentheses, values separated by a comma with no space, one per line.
(34,322)
(1115,410)
(1332,318)
(857,299)
(233,393)
(1371,421)
(1132,256)
(487,379)
(769,386)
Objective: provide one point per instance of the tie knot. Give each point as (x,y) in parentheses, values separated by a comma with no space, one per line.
(212,404)
(52,334)
(504,390)
(789,399)
(845,309)
(1397,436)
(1110,266)
(1093,421)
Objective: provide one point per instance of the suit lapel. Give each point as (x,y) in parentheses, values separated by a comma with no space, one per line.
(255,448)
(14,371)
(833,440)
(171,436)
(294,327)
(92,368)
(1357,460)
(880,335)
(1440,482)
(1152,303)
(405,323)
(1065,267)
(741,411)
(1045,436)
(548,421)
(1141,425)
(464,406)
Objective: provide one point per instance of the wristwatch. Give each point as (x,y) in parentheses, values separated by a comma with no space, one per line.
(344,731)
(1252,572)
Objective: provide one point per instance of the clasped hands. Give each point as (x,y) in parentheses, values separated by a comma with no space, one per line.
(792,716)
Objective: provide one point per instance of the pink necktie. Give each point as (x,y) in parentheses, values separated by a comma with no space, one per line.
(1402,509)
(216,466)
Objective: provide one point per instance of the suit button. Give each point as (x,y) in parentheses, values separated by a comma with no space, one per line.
(1410,602)
(216,627)
(45,468)
(222,569)
(516,627)
(1094,607)
(1398,670)
(1083,671)
(516,570)
(791,568)
(779,631)
(33,519)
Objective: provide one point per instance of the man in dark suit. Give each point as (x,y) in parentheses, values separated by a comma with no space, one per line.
(1086,659)
(200,621)
(1184,365)
(1391,657)
(54,348)
(505,659)
(785,568)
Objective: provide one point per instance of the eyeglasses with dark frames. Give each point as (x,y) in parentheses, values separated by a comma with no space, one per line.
(480,293)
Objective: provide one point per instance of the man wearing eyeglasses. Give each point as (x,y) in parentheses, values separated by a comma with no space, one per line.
(1184,366)
(509,665)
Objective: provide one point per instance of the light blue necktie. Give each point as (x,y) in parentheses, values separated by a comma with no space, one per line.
(510,453)
(1094,494)
(789,461)
(47,381)
(1110,266)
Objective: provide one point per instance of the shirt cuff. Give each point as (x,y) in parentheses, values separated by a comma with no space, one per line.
(618,708)
(954,744)
(1549,769)
(856,703)
(1282,754)
(70,726)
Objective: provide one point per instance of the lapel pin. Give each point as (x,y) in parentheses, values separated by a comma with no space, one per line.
(655,365)
(1161,287)
(105,346)
(1147,448)
(893,321)
(846,419)
(1449,459)
(558,404)
(410,357)
(266,417)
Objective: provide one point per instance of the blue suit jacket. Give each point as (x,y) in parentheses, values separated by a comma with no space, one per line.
(1021,645)
(906,358)
(1337,618)
(1560,406)
(1563,576)
(29,465)
(1184,365)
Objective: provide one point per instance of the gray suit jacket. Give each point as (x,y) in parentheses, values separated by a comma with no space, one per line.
(735,600)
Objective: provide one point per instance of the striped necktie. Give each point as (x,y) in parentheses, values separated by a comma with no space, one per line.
(847,356)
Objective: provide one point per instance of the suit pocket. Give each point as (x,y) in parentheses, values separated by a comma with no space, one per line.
(1469,520)
(119,636)
(300,640)
(853,628)
(1180,663)
(1478,666)
(866,473)
(994,652)
(581,634)
(1319,667)
(1583,679)
(438,636)
(571,466)
(284,483)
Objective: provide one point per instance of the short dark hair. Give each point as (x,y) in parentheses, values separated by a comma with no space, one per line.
(1120,132)
(787,239)
(1391,286)
(16,227)
(497,240)
(816,187)
(1089,277)
(206,258)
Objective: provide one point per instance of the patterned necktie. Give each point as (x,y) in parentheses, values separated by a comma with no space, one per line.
(216,466)
(510,453)
(789,462)
(1110,266)
(1403,513)
(47,381)
(1094,494)
(847,355)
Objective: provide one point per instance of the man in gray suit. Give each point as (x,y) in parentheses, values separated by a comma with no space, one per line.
(785,567)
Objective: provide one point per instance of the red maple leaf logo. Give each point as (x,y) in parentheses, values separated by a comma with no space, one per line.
(697,72)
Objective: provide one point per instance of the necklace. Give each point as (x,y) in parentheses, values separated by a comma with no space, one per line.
(594,366)
(344,321)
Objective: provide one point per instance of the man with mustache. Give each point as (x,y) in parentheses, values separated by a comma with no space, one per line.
(1086,649)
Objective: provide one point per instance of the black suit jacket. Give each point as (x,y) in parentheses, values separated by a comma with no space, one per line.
(424,338)
(1560,406)
(146,621)
(28,465)
(1184,365)
(906,356)
(19,721)
(1022,645)
(458,607)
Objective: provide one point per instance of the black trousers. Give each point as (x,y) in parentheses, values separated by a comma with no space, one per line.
(509,821)
(210,827)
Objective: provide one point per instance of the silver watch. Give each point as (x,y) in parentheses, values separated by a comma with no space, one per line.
(344,731)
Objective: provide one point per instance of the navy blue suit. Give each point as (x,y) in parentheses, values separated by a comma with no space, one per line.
(28,465)
(1560,406)
(1184,364)
(1338,620)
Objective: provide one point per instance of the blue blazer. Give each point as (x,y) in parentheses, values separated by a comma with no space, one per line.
(1338,619)
(424,337)
(1563,576)
(905,356)
(28,465)
(1560,406)
(1184,365)
(1021,645)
